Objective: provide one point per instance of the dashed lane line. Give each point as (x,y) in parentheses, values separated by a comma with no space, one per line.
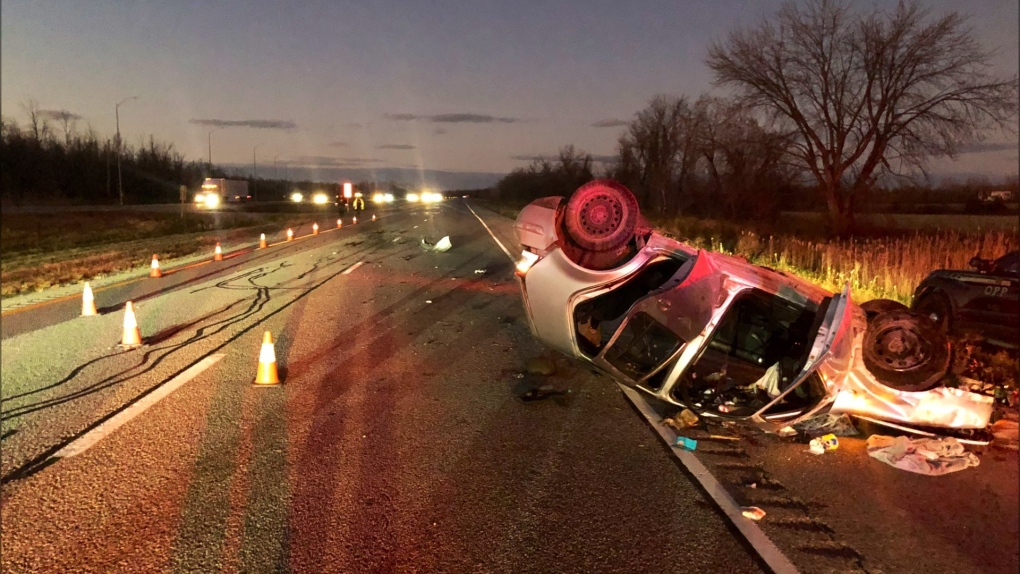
(86,441)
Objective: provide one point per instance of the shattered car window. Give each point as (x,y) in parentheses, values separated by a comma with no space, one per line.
(756,351)
(642,345)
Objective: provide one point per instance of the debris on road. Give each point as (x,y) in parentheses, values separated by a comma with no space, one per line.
(752,512)
(441,246)
(823,444)
(829,423)
(1006,433)
(480,271)
(543,392)
(686,443)
(683,420)
(930,456)
(429,301)
(541,366)
(787,432)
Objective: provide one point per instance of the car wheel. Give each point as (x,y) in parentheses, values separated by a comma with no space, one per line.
(937,308)
(876,307)
(601,215)
(905,351)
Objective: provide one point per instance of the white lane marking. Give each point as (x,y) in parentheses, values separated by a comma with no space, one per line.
(769,552)
(493,235)
(352,268)
(84,442)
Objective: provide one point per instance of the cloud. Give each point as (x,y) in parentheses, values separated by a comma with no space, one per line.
(609,123)
(983,147)
(452,118)
(60,115)
(395,146)
(439,131)
(354,125)
(554,158)
(257,124)
(337,144)
(327,161)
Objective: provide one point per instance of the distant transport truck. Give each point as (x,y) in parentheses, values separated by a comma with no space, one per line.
(217,191)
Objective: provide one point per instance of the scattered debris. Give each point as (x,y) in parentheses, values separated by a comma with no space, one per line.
(428,301)
(441,246)
(686,443)
(752,512)
(480,271)
(829,423)
(683,420)
(823,444)
(543,392)
(541,366)
(721,437)
(787,432)
(931,456)
(1006,433)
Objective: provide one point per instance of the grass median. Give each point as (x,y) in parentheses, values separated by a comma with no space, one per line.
(41,251)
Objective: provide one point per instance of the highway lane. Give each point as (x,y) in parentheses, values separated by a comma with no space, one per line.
(396,443)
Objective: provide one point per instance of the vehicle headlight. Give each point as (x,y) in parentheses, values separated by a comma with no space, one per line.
(527,260)
(378,198)
(388,197)
(199,197)
(320,198)
(412,197)
(296,197)
(212,200)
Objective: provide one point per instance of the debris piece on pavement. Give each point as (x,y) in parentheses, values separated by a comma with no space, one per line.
(927,455)
(829,423)
(541,366)
(823,443)
(721,437)
(543,392)
(480,271)
(441,246)
(682,420)
(686,443)
(752,512)
(787,432)
(1006,433)
(428,300)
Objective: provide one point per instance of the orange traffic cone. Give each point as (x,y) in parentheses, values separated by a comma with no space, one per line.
(290,235)
(266,374)
(132,335)
(88,302)
(339,223)
(373,217)
(218,253)
(355,220)
(154,270)
(262,241)
(315,229)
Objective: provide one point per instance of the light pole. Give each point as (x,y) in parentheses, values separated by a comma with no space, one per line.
(210,149)
(276,171)
(255,171)
(116,112)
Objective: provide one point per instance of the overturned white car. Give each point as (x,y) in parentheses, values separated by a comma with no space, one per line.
(718,335)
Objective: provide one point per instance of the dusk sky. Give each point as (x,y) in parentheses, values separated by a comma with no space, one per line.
(445,85)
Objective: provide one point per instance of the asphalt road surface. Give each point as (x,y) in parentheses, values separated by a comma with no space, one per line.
(397,442)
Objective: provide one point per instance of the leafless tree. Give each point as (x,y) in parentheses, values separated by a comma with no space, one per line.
(658,153)
(866,93)
(68,122)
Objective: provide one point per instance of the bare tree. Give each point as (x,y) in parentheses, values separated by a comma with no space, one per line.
(659,151)
(866,93)
(68,122)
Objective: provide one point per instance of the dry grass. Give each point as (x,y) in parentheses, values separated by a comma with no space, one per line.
(875,267)
(42,256)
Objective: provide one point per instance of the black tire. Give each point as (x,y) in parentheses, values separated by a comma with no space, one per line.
(876,307)
(936,307)
(601,215)
(906,351)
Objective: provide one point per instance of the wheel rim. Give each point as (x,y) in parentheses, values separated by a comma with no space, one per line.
(901,348)
(601,215)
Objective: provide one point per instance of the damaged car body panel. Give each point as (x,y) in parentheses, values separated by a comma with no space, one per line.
(709,331)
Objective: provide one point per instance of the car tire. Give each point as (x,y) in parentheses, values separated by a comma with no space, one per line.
(936,307)
(906,351)
(601,216)
(876,307)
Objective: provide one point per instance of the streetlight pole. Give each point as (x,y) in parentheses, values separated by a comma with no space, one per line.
(210,149)
(116,112)
(255,171)
(276,172)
